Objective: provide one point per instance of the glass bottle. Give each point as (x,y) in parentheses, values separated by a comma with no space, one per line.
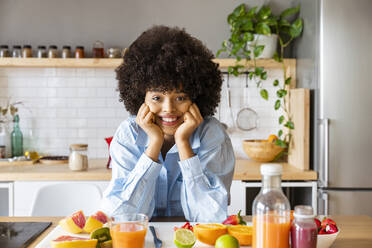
(113,52)
(27,51)
(17,139)
(4,51)
(271,211)
(66,52)
(41,52)
(98,49)
(79,52)
(17,52)
(53,52)
(304,230)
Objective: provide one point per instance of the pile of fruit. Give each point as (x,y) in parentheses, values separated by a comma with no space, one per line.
(326,226)
(232,233)
(77,223)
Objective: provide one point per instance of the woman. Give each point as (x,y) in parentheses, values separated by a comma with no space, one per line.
(171,158)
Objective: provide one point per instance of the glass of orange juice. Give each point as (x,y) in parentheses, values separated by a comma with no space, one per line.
(128,230)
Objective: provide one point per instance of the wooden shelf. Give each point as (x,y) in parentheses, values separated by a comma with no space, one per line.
(113,63)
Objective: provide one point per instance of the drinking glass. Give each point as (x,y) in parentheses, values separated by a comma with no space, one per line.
(128,230)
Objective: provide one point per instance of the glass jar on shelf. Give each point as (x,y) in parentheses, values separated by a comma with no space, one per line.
(271,211)
(53,51)
(4,51)
(78,159)
(113,52)
(17,52)
(41,52)
(66,52)
(304,231)
(27,51)
(79,52)
(98,49)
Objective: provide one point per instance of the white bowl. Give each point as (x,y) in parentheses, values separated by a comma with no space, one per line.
(326,240)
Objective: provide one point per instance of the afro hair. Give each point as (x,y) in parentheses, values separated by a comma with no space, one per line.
(165,59)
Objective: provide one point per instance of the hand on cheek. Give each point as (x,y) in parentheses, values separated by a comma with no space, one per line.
(192,119)
(146,120)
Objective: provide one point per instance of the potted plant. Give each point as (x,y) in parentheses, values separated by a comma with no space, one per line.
(246,24)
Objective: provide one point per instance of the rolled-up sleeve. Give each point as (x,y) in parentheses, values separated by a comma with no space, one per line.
(207,178)
(134,175)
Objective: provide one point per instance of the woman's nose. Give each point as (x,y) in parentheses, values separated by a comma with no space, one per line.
(168,105)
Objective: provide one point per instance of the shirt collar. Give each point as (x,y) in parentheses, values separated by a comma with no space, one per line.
(143,140)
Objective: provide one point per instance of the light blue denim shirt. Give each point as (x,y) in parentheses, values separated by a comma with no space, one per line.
(197,188)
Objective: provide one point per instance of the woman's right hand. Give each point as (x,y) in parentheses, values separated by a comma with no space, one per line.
(146,120)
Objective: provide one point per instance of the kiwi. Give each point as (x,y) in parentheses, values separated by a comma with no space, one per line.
(102,235)
(106,244)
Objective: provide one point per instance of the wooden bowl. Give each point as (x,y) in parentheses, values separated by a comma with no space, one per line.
(261,150)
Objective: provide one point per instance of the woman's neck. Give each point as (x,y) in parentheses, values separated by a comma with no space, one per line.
(167,145)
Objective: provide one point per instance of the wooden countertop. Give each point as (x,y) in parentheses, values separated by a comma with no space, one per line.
(244,170)
(355,230)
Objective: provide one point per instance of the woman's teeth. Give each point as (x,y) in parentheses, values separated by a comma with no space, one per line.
(169,119)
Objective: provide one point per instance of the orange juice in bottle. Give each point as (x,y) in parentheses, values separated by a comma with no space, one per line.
(271,211)
(129,231)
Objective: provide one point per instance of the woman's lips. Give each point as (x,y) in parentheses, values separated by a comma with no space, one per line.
(169,121)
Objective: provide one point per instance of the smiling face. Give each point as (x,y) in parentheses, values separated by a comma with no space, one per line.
(169,108)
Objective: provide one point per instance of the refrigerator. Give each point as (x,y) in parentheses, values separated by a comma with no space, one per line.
(334,60)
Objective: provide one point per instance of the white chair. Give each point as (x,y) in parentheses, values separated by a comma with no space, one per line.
(63,199)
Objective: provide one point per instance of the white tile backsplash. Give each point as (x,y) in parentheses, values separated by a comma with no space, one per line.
(62,106)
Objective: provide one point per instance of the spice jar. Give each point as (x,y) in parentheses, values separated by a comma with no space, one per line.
(4,51)
(78,159)
(53,52)
(114,52)
(17,52)
(41,52)
(98,50)
(79,52)
(27,51)
(66,52)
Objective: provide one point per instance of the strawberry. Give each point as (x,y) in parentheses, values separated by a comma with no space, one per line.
(234,220)
(317,223)
(327,221)
(322,231)
(331,229)
(187,225)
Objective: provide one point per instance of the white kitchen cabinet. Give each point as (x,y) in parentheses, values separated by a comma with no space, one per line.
(25,192)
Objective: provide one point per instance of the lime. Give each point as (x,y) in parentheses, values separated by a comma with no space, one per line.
(227,241)
(184,238)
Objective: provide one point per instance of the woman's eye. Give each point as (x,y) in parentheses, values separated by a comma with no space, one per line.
(180,98)
(155,98)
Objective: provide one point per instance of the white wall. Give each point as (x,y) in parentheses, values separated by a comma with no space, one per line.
(65,106)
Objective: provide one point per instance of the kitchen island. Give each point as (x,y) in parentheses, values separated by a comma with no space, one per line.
(355,230)
(23,181)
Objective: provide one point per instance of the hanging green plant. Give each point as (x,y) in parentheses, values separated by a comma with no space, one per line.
(247,23)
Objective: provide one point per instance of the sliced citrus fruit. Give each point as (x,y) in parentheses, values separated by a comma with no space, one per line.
(95,221)
(74,223)
(73,242)
(184,238)
(227,241)
(209,233)
(242,233)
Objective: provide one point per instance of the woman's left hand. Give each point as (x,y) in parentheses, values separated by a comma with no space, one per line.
(192,119)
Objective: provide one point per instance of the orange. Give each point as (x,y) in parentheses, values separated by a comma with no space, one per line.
(242,233)
(209,233)
(272,138)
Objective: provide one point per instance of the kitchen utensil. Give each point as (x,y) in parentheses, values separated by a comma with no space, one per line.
(158,243)
(228,93)
(54,160)
(20,234)
(247,118)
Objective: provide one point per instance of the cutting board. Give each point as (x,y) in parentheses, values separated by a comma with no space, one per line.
(164,230)
(20,234)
